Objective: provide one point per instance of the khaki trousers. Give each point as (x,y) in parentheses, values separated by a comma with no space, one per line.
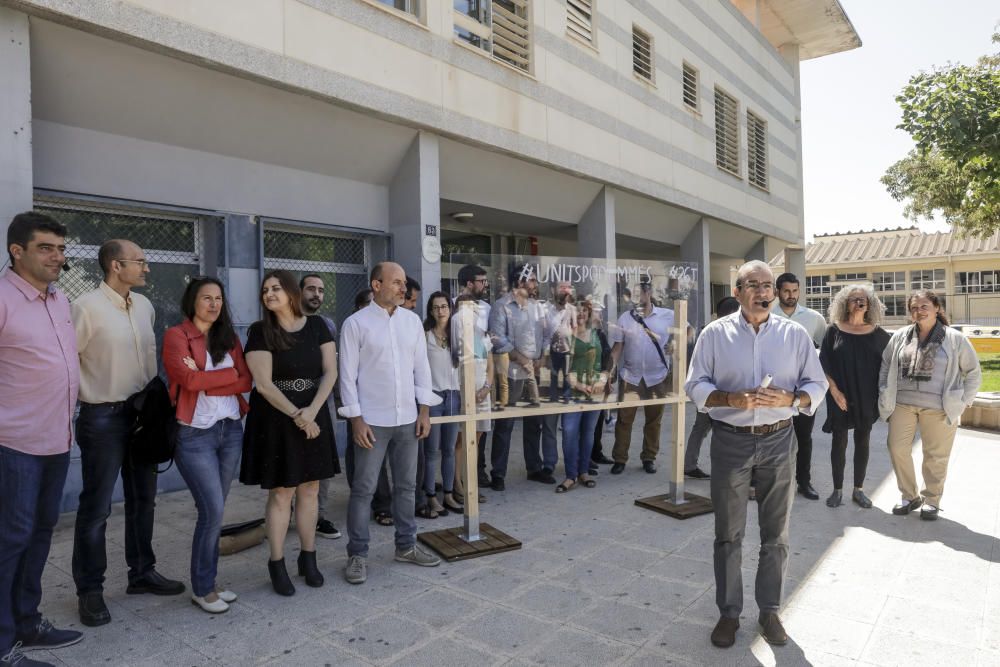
(937,438)
(651,428)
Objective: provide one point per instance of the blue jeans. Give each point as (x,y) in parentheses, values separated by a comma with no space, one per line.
(102,434)
(440,444)
(398,444)
(207,460)
(578,441)
(31,494)
(543,428)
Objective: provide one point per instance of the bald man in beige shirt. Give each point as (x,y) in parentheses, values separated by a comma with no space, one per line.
(117,347)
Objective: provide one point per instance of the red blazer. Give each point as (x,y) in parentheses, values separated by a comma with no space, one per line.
(184,340)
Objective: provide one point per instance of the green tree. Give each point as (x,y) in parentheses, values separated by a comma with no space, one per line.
(953,115)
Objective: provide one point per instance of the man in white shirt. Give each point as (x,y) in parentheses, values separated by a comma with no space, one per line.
(473,281)
(640,350)
(787,286)
(385,385)
(752,436)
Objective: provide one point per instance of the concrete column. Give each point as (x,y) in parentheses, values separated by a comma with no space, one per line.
(758,251)
(694,248)
(795,262)
(243,269)
(415,211)
(790,52)
(16,180)
(595,237)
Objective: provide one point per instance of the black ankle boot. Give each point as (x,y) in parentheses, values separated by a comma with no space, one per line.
(308,569)
(279,577)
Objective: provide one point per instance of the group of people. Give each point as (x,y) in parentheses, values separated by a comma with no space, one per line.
(760,373)
(753,373)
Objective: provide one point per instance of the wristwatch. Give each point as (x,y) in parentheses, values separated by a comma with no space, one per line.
(796,402)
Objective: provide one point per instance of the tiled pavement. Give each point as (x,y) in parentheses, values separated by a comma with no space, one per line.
(599,581)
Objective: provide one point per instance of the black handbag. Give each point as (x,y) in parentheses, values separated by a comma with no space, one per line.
(153,432)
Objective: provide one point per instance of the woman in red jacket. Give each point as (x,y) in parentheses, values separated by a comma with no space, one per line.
(208,376)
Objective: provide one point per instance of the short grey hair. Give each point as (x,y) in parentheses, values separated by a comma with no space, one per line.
(750,267)
(840,310)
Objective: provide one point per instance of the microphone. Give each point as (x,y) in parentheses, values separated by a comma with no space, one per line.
(766,302)
(66,266)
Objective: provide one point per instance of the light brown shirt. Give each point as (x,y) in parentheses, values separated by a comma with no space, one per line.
(116,343)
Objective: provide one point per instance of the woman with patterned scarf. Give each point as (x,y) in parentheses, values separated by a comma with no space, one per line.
(930,375)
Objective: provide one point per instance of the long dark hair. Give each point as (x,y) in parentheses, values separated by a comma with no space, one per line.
(276,338)
(429,321)
(221,335)
(934,299)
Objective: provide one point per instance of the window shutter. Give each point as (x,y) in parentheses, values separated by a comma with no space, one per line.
(579,19)
(642,54)
(727,147)
(756,151)
(511,39)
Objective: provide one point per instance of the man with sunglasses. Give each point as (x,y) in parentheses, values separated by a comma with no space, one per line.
(117,348)
(752,372)
(787,286)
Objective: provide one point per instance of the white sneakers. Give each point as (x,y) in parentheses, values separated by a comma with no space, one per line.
(220,606)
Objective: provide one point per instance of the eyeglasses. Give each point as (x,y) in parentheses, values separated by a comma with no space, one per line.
(754,286)
(441,306)
(143,263)
(485,281)
(859,301)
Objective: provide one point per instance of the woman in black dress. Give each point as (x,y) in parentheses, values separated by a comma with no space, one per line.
(288,443)
(851,355)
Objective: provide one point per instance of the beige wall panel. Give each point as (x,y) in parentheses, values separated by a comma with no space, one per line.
(475,97)
(320,39)
(256,22)
(642,161)
(573,135)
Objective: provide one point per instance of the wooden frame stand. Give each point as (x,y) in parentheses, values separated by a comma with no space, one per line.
(693,505)
(452,545)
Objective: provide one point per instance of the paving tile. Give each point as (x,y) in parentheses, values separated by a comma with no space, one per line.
(662,594)
(440,608)
(622,622)
(492,583)
(553,601)
(381,637)
(319,654)
(572,648)
(892,648)
(506,630)
(925,619)
(824,632)
(848,601)
(448,652)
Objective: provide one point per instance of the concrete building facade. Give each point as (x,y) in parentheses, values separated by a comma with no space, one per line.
(232,136)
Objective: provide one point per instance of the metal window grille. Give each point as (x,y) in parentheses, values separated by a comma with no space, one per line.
(341,260)
(756,151)
(172,245)
(579,19)
(690,86)
(727,147)
(642,54)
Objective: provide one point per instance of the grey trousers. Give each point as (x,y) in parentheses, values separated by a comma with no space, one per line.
(692,448)
(397,444)
(770,459)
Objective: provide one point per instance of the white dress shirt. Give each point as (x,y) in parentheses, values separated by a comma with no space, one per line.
(730,356)
(640,360)
(384,370)
(813,321)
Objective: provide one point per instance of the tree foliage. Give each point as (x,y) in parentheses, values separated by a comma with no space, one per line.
(953,115)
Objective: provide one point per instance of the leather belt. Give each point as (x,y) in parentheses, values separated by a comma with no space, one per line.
(298,384)
(763,429)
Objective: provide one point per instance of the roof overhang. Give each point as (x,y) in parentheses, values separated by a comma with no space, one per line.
(819,27)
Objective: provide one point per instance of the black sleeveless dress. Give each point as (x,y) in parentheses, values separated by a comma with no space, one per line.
(853,361)
(276,452)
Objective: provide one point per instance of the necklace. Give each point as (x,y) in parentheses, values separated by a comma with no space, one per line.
(441,339)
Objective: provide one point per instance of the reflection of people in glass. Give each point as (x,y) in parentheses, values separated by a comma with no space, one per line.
(481,346)
(561,323)
(642,354)
(517,326)
(588,380)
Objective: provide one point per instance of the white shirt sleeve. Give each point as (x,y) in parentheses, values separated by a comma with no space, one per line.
(423,387)
(699,383)
(349,358)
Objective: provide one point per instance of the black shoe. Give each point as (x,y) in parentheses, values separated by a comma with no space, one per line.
(484,479)
(543,476)
(155,583)
(45,636)
(617,468)
(648,467)
(93,611)
(497,484)
(808,491)
(906,507)
(279,577)
(547,476)
(593,471)
(771,629)
(602,459)
(308,569)
(929,513)
(325,528)
(697,473)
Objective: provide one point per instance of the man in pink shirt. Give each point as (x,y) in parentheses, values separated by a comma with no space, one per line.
(39,380)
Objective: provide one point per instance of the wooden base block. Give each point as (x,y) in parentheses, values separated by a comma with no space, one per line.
(449,544)
(695,505)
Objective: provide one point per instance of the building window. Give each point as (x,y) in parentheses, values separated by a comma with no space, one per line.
(889,281)
(580,19)
(895,306)
(727,146)
(500,28)
(932,279)
(642,54)
(690,90)
(850,277)
(408,6)
(756,151)
(819,304)
(817,285)
(976,282)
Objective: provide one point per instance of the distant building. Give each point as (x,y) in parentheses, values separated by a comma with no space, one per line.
(966,271)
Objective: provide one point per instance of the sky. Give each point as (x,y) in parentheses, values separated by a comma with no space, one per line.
(849,112)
